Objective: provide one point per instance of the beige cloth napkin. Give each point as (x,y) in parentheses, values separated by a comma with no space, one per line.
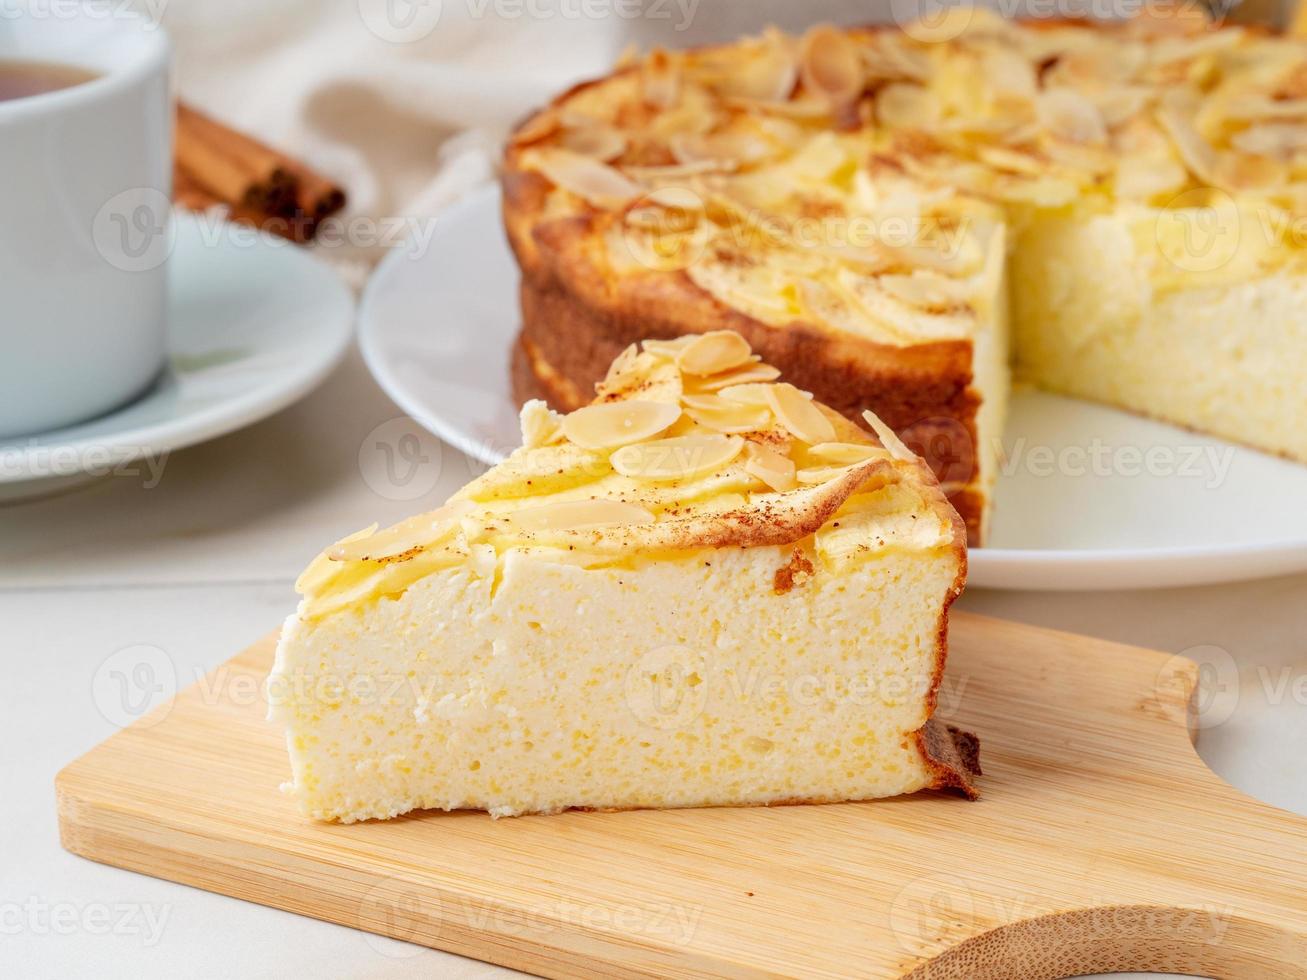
(407,119)
(406,102)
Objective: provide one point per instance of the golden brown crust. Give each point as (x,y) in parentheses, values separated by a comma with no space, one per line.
(951,754)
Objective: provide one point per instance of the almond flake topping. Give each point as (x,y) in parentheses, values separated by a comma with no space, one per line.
(888,437)
(417,532)
(618,423)
(668,348)
(675,198)
(1070,116)
(587,178)
(573,515)
(843,452)
(751,393)
(821,474)
(745,374)
(800,416)
(770,467)
(768,72)
(830,65)
(713,353)
(660,80)
(600,142)
(677,458)
(1197,154)
(722,415)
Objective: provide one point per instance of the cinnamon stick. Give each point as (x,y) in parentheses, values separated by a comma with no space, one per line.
(192,196)
(257,183)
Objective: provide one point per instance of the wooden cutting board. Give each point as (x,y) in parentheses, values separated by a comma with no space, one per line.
(1101,843)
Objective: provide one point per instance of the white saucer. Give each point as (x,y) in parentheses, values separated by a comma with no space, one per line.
(254,324)
(1091,498)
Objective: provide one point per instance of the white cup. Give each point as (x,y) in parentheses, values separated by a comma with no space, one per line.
(85,180)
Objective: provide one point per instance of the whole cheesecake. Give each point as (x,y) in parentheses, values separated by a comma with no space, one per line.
(885,214)
(703,589)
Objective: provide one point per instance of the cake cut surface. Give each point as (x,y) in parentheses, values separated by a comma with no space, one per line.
(882,212)
(704,588)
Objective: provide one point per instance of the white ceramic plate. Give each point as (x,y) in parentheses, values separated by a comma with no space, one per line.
(254,324)
(1090,498)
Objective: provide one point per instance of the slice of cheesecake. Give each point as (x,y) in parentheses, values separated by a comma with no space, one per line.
(702,589)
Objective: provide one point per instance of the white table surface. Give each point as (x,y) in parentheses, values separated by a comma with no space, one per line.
(201,564)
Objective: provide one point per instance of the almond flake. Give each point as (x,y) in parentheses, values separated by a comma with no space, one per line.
(660,80)
(417,532)
(728,151)
(722,415)
(830,66)
(572,515)
(589,179)
(677,458)
(673,171)
(1271,139)
(747,393)
(1068,115)
(618,423)
(622,364)
(713,353)
(323,569)
(539,126)
(902,105)
(1195,151)
(807,108)
(744,375)
(888,437)
(667,348)
(675,198)
(801,418)
(770,467)
(768,73)
(598,142)
(1245,172)
(821,474)
(928,291)
(843,453)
